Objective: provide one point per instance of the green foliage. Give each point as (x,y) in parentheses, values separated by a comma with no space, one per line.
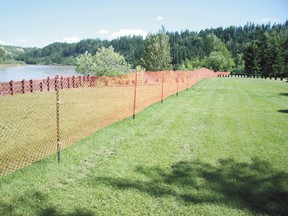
(218,58)
(196,64)
(252,58)
(268,55)
(269,50)
(182,67)
(218,62)
(139,68)
(85,63)
(62,53)
(212,43)
(186,47)
(157,55)
(106,62)
(8,54)
(131,47)
(239,64)
(2,54)
(188,65)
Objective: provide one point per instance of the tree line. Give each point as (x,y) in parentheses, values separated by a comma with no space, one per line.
(251,49)
(268,55)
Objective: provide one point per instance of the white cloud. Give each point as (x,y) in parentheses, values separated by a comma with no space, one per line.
(103,32)
(19,40)
(127,32)
(159,18)
(272,20)
(22,40)
(69,40)
(2,42)
(63,40)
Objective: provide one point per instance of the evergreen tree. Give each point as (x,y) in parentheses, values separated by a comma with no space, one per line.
(252,58)
(282,53)
(269,51)
(186,46)
(239,64)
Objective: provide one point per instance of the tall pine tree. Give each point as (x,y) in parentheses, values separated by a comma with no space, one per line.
(252,58)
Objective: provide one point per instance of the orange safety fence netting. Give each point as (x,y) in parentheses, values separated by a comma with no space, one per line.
(40,117)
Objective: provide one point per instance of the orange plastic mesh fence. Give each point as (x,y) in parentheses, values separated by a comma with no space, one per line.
(39,117)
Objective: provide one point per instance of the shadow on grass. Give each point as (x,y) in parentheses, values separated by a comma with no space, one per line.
(54,212)
(283,111)
(38,202)
(255,186)
(284,94)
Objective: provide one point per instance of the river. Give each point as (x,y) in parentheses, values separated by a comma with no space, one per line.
(27,72)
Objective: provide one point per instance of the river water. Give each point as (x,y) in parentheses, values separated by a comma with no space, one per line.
(27,72)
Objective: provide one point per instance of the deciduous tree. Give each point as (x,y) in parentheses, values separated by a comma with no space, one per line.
(106,62)
(157,53)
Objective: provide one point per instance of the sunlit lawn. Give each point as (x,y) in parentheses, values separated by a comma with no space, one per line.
(218,149)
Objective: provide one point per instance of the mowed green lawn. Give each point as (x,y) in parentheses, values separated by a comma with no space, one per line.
(220,148)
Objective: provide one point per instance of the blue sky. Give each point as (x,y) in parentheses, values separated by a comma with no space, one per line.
(30,23)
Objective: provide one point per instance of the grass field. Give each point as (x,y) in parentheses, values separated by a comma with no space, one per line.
(220,148)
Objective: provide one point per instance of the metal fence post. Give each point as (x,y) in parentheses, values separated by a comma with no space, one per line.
(61,82)
(89,81)
(187,81)
(48,84)
(162,90)
(22,87)
(68,82)
(41,86)
(79,82)
(31,85)
(73,81)
(177,83)
(57,118)
(135,94)
(11,87)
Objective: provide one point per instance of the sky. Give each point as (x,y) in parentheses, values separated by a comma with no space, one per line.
(37,23)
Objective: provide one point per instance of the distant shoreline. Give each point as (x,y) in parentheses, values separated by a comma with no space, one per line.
(19,65)
(11,65)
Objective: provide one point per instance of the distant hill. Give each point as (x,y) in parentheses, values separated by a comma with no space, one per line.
(12,50)
(8,54)
(254,49)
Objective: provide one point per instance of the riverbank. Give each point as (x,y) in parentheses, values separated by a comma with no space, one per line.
(24,64)
(12,65)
